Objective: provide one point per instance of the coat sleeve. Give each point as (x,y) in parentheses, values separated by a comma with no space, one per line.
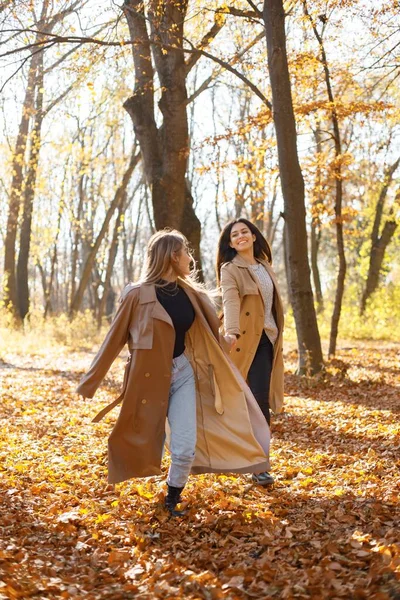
(231,302)
(114,341)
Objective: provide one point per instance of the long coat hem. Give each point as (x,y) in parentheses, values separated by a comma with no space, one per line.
(259,468)
(198,470)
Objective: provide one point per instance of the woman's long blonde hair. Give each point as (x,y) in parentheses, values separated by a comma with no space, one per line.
(163,248)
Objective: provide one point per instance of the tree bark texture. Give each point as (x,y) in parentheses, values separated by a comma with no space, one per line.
(164,147)
(309,343)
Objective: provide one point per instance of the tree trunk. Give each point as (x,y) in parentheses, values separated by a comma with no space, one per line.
(26,224)
(316,226)
(165,149)
(48,307)
(269,225)
(111,260)
(315,242)
(118,228)
(16,195)
(309,343)
(379,243)
(42,278)
(286,263)
(87,270)
(128,257)
(76,236)
(377,256)
(338,192)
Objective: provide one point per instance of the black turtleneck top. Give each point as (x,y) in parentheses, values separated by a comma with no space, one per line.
(180,309)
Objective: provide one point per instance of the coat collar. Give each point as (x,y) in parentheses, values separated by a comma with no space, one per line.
(240,262)
(147,293)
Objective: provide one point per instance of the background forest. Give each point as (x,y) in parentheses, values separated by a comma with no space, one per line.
(109,130)
(119,118)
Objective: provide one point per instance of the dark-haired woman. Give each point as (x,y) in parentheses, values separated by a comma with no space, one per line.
(177,370)
(253,315)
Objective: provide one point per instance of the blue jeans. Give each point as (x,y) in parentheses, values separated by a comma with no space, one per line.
(182,421)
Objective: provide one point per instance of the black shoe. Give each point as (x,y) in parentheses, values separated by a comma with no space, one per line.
(263,479)
(173,498)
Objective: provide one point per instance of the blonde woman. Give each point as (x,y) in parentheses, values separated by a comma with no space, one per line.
(177,370)
(253,315)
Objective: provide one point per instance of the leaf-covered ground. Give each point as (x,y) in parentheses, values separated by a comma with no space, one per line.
(329,528)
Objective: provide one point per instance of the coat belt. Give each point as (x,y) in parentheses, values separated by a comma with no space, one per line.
(115,403)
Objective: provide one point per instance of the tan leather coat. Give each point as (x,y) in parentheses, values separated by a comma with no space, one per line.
(231,432)
(244,315)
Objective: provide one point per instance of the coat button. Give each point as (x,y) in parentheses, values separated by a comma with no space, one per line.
(147,374)
(237,349)
(144,401)
(247,314)
(243,332)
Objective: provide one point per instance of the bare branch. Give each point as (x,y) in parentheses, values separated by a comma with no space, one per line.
(204,85)
(64,13)
(71,51)
(60,39)
(21,66)
(254,7)
(238,12)
(206,40)
(216,72)
(5,5)
(231,69)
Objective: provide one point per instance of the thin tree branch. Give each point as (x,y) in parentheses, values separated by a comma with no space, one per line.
(206,40)
(254,7)
(59,39)
(239,12)
(217,71)
(231,69)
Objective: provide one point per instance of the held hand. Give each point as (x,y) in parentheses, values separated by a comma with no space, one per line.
(231,340)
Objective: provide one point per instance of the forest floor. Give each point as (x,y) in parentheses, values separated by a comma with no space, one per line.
(328,528)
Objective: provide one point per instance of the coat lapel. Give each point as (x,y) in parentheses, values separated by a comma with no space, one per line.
(202,306)
(148,296)
(240,262)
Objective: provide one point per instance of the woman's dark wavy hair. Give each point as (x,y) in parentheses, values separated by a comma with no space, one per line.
(225,253)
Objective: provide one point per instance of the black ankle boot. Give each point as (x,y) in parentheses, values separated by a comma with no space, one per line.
(173,498)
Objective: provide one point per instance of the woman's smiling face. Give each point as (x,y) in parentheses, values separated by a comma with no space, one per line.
(242,240)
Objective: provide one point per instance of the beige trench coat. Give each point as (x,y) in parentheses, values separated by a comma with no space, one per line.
(244,315)
(231,431)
